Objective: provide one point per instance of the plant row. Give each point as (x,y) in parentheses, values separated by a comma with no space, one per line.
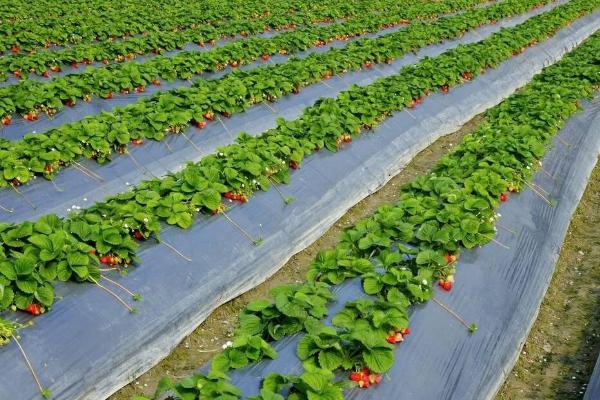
(33,255)
(48,61)
(50,96)
(172,112)
(399,251)
(133,18)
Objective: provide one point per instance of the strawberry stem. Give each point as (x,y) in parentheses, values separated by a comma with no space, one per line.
(139,166)
(8,210)
(35,377)
(58,188)
(495,241)
(194,145)
(563,141)
(270,107)
(88,171)
(170,246)
(505,228)
(135,296)
(453,313)
(541,195)
(113,294)
(254,241)
(24,197)
(286,199)
(224,126)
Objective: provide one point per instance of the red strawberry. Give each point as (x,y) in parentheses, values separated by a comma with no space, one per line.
(6,120)
(139,89)
(201,124)
(138,235)
(137,142)
(75,65)
(391,339)
(105,259)
(445,88)
(209,115)
(55,68)
(15,48)
(405,331)
(34,309)
(293,164)
(355,376)
(109,95)
(446,285)
(17,73)
(105,61)
(15,182)
(69,102)
(265,57)
(46,74)
(31,116)
(503,197)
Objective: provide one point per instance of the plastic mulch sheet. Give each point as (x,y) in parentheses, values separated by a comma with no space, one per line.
(593,389)
(500,289)
(89,345)
(160,157)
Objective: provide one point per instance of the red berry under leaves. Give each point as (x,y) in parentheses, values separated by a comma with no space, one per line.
(34,309)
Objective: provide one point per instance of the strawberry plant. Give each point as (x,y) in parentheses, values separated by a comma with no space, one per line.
(94,137)
(248,166)
(504,148)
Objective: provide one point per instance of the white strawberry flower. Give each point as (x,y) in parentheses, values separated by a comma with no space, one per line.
(227,344)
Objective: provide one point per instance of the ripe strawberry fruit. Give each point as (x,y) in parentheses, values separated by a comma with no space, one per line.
(138,235)
(265,57)
(405,331)
(31,116)
(17,73)
(293,164)
(46,74)
(503,197)
(355,376)
(209,115)
(109,95)
(34,309)
(201,124)
(446,285)
(137,142)
(6,120)
(55,68)
(445,89)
